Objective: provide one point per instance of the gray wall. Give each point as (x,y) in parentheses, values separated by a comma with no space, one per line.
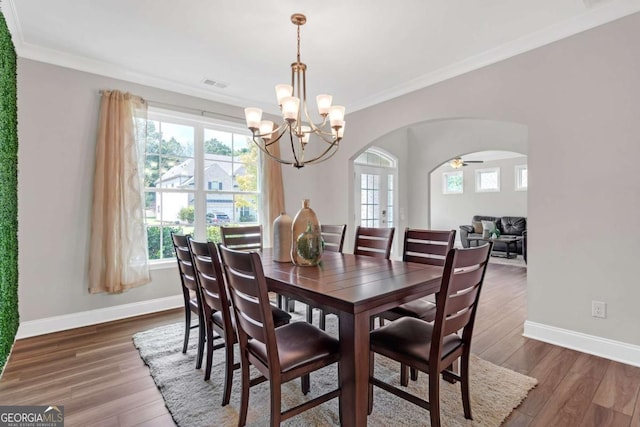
(450,211)
(577,100)
(57,120)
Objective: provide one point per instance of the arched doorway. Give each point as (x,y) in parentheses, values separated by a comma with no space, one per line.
(375,178)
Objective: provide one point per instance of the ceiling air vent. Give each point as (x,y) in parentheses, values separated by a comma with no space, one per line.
(215,83)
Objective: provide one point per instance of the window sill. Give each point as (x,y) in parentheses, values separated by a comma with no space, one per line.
(162,265)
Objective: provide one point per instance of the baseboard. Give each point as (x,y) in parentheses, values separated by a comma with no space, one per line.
(48,325)
(597,346)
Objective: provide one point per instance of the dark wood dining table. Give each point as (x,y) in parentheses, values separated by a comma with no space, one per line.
(355,288)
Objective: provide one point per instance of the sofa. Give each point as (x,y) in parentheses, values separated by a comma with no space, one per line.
(506,225)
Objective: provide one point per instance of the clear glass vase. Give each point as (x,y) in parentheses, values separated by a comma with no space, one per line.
(306,244)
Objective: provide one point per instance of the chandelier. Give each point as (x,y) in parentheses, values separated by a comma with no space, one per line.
(297,126)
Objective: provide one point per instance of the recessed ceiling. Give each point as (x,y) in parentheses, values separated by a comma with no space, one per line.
(360,52)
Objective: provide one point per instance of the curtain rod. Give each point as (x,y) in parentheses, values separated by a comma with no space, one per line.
(184,109)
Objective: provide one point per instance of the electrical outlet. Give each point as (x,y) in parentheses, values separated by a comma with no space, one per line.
(599,309)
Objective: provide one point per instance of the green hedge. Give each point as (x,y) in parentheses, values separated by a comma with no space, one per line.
(9,319)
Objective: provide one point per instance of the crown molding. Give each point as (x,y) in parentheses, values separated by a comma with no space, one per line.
(594,16)
(590,19)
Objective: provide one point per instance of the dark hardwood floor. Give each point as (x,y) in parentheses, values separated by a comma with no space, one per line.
(97,374)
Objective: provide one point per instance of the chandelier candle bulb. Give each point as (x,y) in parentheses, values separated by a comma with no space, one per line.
(324,104)
(253,117)
(338,133)
(305,134)
(266,128)
(290,106)
(283,91)
(336,115)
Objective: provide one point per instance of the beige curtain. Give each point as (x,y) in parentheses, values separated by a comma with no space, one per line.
(272,192)
(118,258)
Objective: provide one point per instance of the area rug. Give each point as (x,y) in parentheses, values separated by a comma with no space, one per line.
(193,402)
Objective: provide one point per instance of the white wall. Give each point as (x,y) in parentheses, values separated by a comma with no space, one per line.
(578,101)
(450,211)
(57,120)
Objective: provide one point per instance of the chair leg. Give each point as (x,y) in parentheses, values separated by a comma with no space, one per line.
(207,369)
(434,399)
(275,403)
(228,373)
(187,328)
(279,299)
(404,375)
(414,374)
(309,315)
(244,396)
(322,323)
(464,386)
(201,339)
(305,383)
(371,369)
(340,407)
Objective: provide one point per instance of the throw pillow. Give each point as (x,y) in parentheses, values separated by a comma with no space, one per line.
(477,227)
(487,228)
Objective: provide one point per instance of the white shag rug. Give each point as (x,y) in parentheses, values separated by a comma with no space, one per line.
(193,402)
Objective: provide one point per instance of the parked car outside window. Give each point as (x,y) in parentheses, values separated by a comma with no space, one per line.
(218,218)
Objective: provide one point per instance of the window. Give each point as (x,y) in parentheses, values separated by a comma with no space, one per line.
(487,180)
(198,174)
(521,178)
(452,182)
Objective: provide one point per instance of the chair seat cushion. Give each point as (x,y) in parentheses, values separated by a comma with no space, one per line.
(420,309)
(411,338)
(280,317)
(298,343)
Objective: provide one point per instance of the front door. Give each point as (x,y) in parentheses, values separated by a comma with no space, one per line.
(374,196)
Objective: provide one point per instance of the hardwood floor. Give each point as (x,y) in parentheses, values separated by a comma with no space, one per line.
(97,374)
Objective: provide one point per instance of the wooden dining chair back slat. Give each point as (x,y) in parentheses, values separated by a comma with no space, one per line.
(427,246)
(279,354)
(216,308)
(190,293)
(246,238)
(375,242)
(333,237)
(443,343)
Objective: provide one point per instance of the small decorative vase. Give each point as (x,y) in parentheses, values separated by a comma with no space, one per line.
(306,243)
(282,238)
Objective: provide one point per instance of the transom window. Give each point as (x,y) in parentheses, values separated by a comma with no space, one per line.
(522,183)
(198,174)
(453,182)
(487,180)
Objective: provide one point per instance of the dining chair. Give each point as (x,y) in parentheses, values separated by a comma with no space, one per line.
(424,247)
(433,347)
(375,242)
(279,354)
(190,293)
(248,237)
(216,307)
(333,238)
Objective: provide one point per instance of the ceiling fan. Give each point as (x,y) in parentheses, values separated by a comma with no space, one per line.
(457,163)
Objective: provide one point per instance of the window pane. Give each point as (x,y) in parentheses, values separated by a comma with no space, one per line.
(166,213)
(218,142)
(246,208)
(488,179)
(175,172)
(178,139)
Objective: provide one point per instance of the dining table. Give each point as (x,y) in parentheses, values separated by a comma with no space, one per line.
(354,287)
